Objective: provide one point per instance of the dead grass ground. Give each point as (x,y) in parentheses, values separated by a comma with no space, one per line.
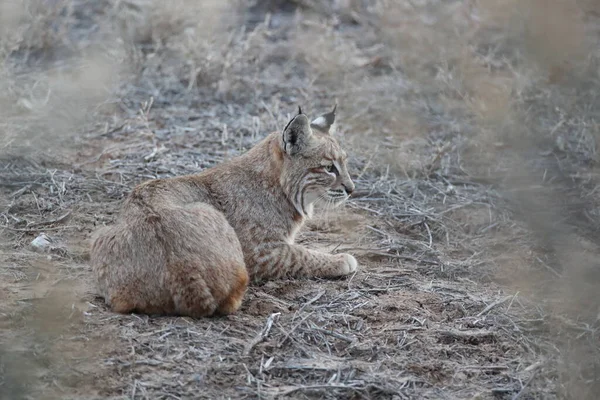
(472,127)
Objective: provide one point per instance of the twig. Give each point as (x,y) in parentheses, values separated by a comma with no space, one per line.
(55,228)
(282,305)
(262,335)
(429,234)
(367,164)
(401,257)
(309,302)
(438,156)
(516,396)
(494,304)
(549,268)
(51,221)
(20,191)
(134,389)
(315,387)
(286,337)
(332,333)
(490,367)
(468,336)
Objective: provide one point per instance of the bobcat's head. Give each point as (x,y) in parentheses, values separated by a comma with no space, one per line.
(314,164)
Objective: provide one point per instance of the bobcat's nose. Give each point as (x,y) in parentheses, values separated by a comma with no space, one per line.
(349,188)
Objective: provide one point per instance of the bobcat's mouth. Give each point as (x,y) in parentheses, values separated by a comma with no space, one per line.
(337,195)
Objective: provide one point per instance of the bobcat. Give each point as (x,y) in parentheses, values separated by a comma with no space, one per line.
(188,245)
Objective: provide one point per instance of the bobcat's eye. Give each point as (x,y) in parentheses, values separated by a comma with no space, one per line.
(330,168)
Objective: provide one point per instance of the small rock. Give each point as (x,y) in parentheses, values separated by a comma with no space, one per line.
(42,243)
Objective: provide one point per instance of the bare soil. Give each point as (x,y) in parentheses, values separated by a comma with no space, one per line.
(474,222)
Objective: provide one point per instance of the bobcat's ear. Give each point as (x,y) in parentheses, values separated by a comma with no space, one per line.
(324,122)
(296,134)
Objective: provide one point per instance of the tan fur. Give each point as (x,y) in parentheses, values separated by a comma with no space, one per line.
(188,245)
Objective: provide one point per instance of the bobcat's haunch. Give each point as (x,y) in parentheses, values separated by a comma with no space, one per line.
(188,245)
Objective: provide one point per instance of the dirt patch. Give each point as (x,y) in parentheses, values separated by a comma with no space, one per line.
(471,142)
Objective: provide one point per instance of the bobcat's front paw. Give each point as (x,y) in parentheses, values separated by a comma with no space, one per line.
(348,264)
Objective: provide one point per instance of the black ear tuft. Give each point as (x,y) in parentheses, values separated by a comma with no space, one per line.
(299,110)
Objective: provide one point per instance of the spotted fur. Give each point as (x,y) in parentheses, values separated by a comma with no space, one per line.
(189,245)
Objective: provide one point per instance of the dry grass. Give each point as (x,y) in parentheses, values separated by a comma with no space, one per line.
(472,126)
